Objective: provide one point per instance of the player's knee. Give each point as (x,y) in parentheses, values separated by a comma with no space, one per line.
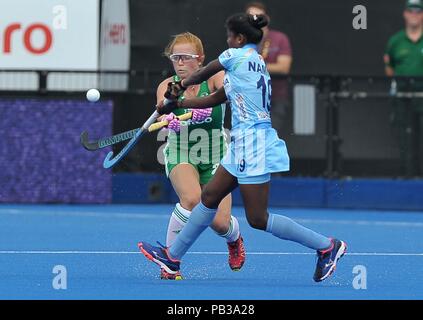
(221,223)
(208,198)
(257,221)
(189,202)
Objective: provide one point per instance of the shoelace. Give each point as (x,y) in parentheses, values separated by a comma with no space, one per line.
(234,251)
(320,258)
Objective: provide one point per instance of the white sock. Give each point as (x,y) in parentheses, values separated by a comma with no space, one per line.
(177,221)
(233,232)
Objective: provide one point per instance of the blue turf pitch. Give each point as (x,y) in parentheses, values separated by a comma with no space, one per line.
(97,246)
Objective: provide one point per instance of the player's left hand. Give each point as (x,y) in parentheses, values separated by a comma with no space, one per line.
(173,122)
(174,125)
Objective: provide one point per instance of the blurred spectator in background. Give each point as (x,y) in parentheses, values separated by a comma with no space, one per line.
(275,49)
(404,57)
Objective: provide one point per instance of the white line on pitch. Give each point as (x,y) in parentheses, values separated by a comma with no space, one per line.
(211,253)
(127,215)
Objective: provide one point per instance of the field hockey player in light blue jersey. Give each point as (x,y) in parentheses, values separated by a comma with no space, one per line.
(254,153)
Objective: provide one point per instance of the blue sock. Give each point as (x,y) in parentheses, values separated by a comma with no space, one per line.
(287,229)
(201,217)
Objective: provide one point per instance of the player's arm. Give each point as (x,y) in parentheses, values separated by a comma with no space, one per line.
(216,81)
(161,89)
(209,101)
(203,74)
(282,65)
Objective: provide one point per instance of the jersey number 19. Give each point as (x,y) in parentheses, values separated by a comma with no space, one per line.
(265,88)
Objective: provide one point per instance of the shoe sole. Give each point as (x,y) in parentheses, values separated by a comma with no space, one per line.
(178,277)
(341,251)
(151,258)
(236,268)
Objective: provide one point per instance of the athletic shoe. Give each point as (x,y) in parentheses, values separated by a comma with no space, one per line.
(160,255)
(328,258)
(236,254)
(164,275)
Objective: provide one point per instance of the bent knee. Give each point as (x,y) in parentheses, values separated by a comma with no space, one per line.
(209,199)
(220,227)
(190,202)
(258,222)
(221,223)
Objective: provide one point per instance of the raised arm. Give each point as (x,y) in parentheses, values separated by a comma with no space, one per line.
(216,81)
(161,89)
(211,100)
(203,74)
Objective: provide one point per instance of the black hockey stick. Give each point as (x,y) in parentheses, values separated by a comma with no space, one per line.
(105,142)
(148,126)
(109,141)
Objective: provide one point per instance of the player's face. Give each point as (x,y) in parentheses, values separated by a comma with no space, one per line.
(413,18)
(185,59)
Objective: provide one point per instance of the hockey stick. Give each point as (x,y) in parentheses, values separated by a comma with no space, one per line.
(117,138)
(105,142)
(161,124)
(148,126)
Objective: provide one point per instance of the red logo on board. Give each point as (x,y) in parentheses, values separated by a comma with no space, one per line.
(26,37)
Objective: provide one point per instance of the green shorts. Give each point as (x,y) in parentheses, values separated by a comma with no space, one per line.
(205,171)
(205,166)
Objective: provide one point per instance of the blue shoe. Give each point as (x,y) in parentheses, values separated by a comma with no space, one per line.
(160,255)
(328,258)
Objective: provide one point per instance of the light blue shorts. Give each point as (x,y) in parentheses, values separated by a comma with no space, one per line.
(254,154)
(255,179)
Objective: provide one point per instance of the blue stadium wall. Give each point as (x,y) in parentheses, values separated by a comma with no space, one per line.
(381,194)
(41,158)
(42,161)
